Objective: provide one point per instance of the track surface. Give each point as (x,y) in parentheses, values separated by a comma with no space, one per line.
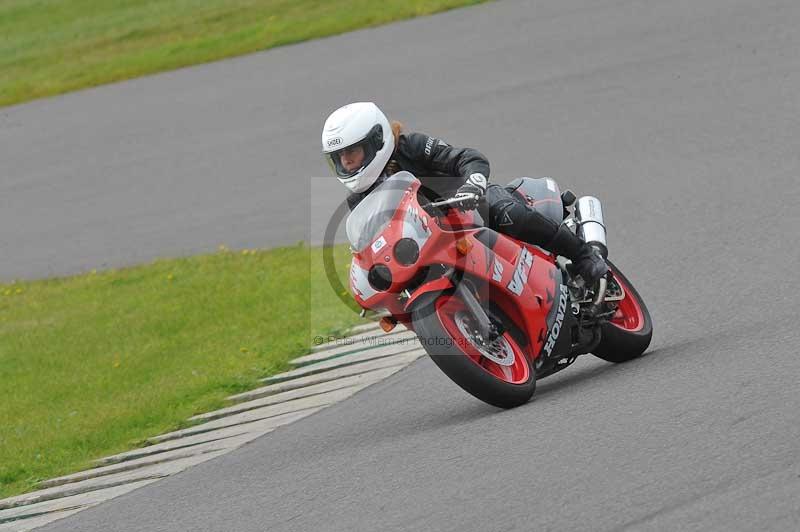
(681,116)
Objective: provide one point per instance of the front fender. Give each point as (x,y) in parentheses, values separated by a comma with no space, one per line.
(431,287)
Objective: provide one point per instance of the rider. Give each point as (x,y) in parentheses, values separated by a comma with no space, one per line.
(363,148)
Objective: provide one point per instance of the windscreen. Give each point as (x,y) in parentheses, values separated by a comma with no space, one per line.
(373,214)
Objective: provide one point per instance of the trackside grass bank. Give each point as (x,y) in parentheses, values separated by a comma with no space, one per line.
(49,47)
(92,365)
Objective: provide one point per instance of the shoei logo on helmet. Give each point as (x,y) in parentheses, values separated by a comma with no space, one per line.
(336,141)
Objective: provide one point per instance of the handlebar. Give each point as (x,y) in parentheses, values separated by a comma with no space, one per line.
(450,203)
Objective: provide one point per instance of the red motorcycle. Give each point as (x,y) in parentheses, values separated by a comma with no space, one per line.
(492,312)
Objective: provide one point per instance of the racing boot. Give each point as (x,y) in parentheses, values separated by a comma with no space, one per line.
(586,259)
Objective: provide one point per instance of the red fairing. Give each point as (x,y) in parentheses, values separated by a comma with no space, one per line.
(520,279)
(437,285)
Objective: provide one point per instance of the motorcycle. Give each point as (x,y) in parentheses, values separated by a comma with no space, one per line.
(495,314)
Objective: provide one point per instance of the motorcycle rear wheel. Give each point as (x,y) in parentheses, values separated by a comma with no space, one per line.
(629,332)
(440,326)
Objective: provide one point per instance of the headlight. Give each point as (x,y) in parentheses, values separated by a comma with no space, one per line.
(406,251)
(380,277)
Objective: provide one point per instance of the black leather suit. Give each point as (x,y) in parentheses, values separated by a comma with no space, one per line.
(442,169)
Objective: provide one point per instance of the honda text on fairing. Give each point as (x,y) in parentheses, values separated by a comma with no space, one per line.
(492,312)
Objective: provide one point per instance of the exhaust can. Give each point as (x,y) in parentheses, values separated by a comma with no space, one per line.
(591,227)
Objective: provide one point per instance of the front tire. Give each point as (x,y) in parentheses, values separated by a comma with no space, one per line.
(627,335)
(441,328)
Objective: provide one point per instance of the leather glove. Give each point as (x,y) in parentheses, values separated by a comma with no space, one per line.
(589,264)
(471,191)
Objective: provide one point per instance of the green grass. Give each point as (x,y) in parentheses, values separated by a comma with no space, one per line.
(92,365)
(49,47)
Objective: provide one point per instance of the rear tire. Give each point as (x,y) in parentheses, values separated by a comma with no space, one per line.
(458,358)
(628,334)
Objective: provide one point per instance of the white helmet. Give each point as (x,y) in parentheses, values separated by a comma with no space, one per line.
(356,129)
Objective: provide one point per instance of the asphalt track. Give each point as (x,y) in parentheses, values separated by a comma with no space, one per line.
(681,116)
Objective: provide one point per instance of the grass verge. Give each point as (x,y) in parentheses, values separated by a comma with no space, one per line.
(53,46)
(92,365)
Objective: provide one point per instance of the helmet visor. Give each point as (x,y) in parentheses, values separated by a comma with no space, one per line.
(352,159)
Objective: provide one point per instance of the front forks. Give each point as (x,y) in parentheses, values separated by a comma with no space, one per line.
(486,329)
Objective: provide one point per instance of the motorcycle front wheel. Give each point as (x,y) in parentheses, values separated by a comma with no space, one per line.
(499,373)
